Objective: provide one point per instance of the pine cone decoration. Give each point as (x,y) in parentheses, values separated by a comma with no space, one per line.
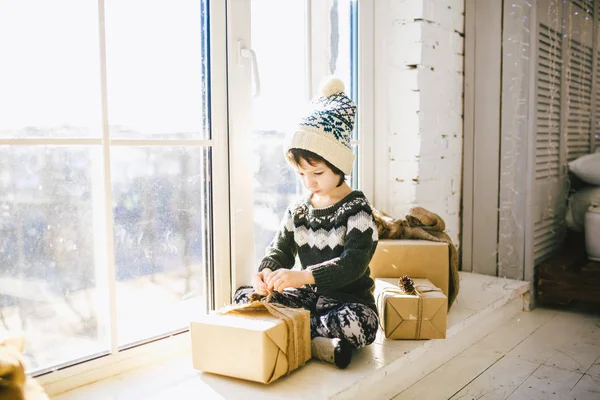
(406,284)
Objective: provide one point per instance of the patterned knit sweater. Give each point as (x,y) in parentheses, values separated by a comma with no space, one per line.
(336,243)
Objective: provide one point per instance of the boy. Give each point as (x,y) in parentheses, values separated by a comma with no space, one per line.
(332,232)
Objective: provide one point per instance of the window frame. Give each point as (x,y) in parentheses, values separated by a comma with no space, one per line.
(118,361)
(225,254)
(366,98)
(240,87)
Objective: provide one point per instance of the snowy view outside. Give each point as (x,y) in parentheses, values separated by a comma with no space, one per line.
(53,241)
(53,261)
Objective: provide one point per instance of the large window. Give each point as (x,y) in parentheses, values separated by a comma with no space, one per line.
(141,159)
(105,180)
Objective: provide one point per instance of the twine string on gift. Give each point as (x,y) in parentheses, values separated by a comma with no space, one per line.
(418,291)
(419,313)
(296,344)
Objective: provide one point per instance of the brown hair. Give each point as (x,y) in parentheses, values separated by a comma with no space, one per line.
(295,156)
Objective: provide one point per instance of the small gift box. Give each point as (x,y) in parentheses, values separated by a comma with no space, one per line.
(421,314)
(395,258)
(259,341)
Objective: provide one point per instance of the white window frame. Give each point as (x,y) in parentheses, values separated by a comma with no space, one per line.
(225,202)
(62,380)
(366,98)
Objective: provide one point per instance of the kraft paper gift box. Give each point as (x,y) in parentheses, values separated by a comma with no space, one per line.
(254,342)
(405,316)
(422,258)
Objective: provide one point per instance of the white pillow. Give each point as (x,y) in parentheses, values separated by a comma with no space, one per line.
(587,168)
(579,202)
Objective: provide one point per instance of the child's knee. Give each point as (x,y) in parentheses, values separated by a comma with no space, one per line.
(367,324)
(371,331)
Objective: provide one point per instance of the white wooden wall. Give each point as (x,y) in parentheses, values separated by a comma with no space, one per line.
(516,124)
(483,66)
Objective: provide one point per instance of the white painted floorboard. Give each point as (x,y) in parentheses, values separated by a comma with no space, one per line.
(542,354)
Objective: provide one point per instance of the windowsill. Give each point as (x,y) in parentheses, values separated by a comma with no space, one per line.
(483,303)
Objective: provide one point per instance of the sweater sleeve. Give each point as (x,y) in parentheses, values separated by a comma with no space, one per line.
(359,245)
(281,252)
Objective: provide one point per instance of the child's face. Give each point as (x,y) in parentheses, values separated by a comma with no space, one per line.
(317,178)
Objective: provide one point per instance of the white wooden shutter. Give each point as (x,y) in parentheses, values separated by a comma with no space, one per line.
(596,107)
(579,78)
(547,140)
(583,6)
(565,103)
(549,183)
(595,131)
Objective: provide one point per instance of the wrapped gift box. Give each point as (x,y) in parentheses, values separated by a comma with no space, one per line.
(251,344)
(403,316)
(422,258)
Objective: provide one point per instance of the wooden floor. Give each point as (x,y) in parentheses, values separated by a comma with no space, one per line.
(569,276)
(542,354)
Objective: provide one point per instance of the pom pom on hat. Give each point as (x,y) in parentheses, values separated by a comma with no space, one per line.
(331,85)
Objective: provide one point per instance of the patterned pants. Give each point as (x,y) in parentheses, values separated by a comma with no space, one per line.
(330,318)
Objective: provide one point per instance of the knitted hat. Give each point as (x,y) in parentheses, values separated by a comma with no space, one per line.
(327,128)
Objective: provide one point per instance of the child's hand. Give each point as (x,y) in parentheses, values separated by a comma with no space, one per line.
(285,278)
(259,281)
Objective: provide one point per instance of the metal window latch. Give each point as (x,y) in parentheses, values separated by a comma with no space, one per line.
(247,53)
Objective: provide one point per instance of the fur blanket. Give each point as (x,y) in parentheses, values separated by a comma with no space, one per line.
(14,383)
(421,224)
